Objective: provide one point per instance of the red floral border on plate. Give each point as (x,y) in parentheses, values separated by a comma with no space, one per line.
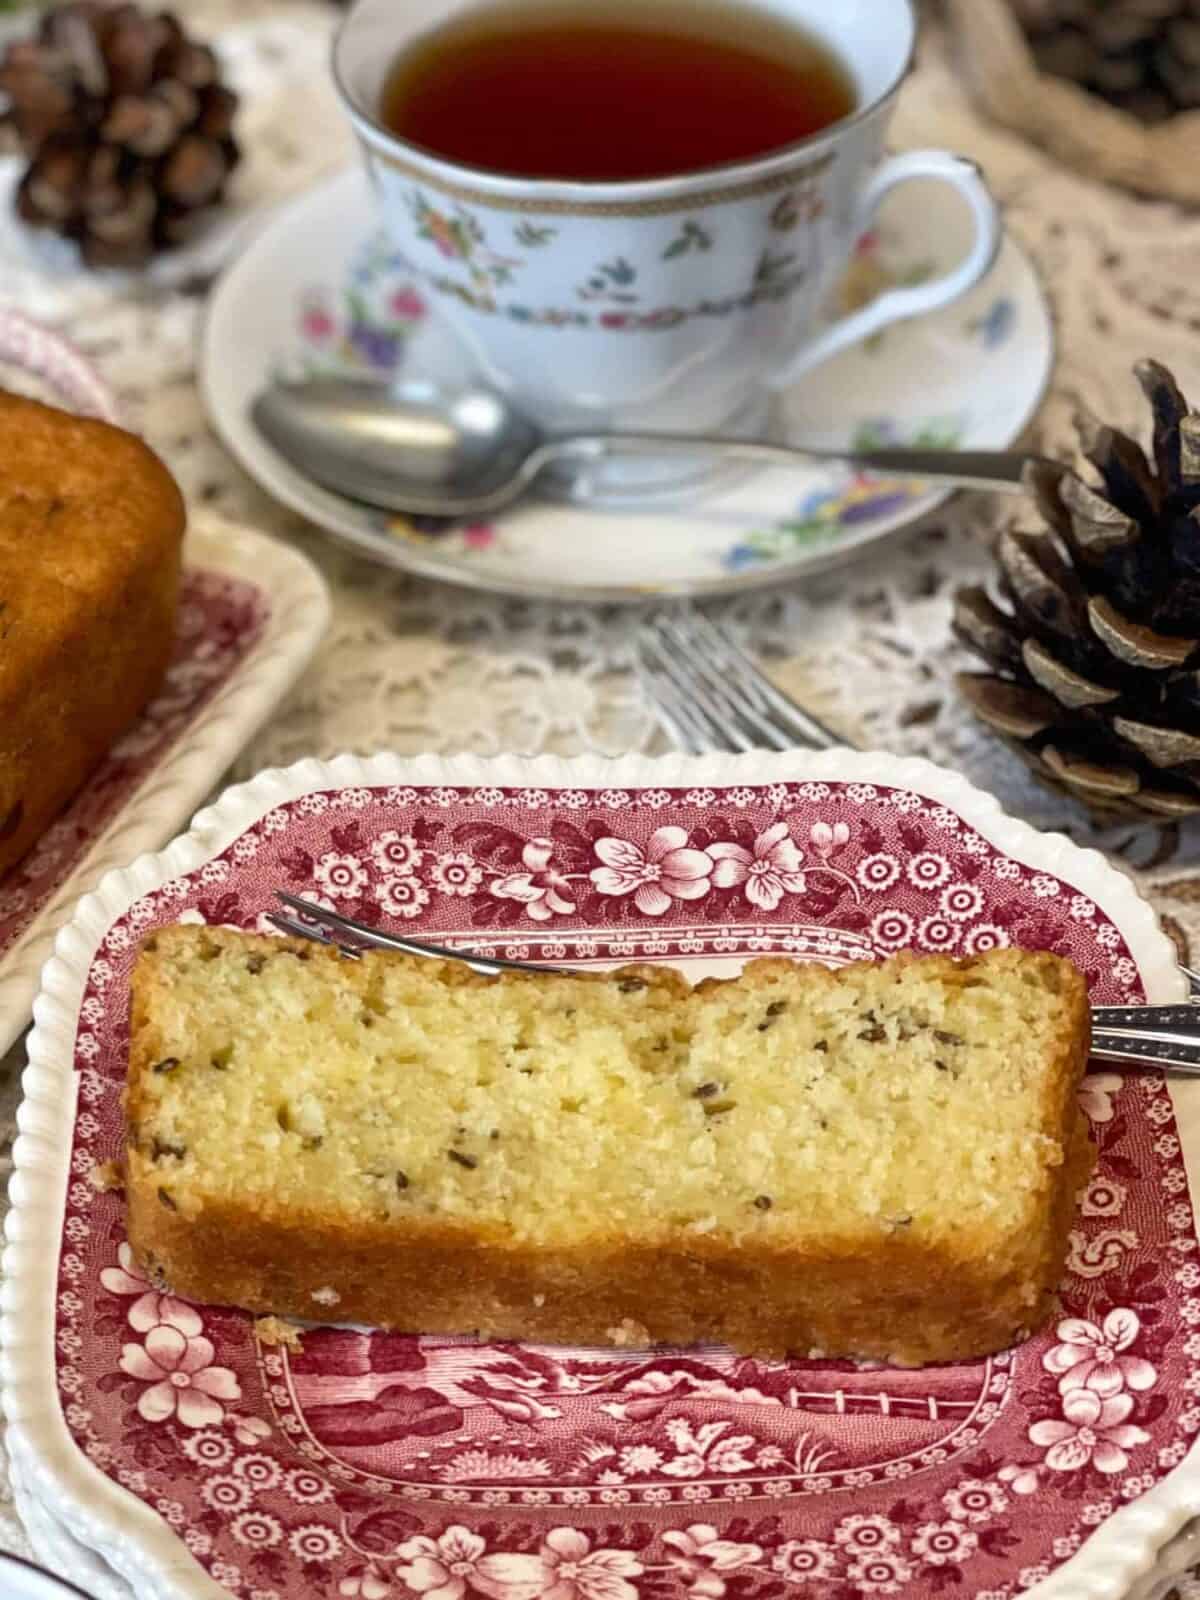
(379,1466)
(221,619)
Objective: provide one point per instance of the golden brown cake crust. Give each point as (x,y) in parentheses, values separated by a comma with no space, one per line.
(897,1298)
(91,528)
(902,1304)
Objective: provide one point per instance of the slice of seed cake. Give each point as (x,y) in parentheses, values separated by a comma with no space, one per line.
(880,1161)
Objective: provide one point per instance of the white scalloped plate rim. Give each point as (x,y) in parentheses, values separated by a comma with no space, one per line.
(109,1520)
(62,1553)
(186,774)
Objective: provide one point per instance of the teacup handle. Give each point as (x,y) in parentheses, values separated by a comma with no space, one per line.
(897,304)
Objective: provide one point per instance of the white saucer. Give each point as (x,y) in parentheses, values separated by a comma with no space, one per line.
(319,286)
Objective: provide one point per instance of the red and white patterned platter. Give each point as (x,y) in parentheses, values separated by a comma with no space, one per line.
(200,1462)
(251,614)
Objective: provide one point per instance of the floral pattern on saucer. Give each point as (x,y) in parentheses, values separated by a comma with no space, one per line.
(364,328)
(220,621)
(364,323)
(825,514)
(884,260)
(386,1467)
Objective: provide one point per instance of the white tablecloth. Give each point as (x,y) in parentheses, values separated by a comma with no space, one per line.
(409,666)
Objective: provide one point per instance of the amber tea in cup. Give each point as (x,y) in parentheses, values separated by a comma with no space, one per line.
(610,92)
(634,214)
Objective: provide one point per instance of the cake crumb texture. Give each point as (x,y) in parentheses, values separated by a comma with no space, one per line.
(107,1176)
(879,1161)
(276,1332)
(91,531)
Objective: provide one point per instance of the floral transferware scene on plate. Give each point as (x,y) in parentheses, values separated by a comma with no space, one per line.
(358,1460)
(468,730)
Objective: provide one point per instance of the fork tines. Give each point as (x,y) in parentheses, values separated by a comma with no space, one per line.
(351,937)
(712,696)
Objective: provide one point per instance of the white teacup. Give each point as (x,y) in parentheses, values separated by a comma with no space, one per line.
(698,337)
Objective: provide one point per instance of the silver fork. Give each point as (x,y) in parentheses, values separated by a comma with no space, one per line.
(1160,1036)
(352,937)
(712,696)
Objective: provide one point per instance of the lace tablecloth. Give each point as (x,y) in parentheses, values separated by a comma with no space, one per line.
(409,666)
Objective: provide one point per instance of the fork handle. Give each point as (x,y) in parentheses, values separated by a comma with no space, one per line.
(1174,1024)
(1183,1018)
(1165,1036)
(1175,1056)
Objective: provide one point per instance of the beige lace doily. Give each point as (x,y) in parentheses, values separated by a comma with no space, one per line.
(409,666)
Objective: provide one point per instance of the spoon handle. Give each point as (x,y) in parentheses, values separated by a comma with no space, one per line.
(982,469)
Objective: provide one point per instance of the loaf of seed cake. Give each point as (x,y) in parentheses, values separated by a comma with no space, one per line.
(91,525)
(878,1162)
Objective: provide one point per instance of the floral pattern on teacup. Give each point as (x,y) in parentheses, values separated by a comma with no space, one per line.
(457,234)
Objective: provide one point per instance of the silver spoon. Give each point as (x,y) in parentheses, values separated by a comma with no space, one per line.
(413,449)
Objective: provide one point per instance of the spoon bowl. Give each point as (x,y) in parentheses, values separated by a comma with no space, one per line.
(349,434)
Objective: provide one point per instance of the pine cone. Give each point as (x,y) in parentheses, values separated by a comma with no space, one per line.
(1095,664)
(127,125)
(1140,55)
